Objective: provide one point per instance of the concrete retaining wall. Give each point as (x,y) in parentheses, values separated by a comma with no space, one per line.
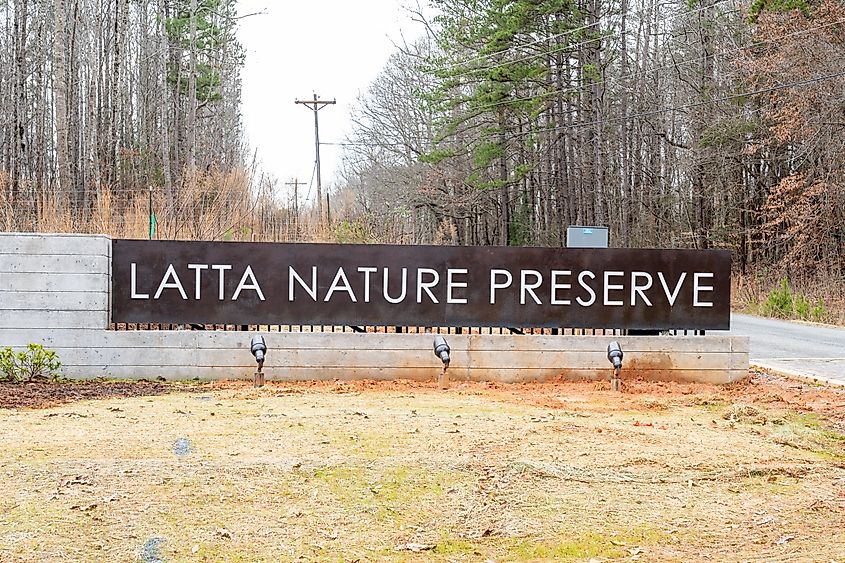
(54,290)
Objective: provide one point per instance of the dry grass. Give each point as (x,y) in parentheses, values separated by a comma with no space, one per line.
(208,205)
(822,289)
(405,472)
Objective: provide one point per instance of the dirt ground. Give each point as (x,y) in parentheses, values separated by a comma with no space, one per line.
(363,471)
(40,395)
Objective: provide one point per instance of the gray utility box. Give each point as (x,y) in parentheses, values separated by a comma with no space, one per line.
(586,237)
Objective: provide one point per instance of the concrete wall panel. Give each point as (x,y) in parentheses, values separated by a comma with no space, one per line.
(140,355)
(54,300)
(53,264)
(97,282)
(37,244)
(49,320)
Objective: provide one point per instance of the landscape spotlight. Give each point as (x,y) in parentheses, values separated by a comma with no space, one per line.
(258,348)
(614,356)
(441,350)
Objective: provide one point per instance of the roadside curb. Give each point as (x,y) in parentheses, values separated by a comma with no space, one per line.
(792,374)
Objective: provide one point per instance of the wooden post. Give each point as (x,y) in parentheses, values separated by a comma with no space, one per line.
(443,378)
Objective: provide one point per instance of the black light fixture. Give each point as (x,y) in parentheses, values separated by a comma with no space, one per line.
(614,356)
(441,350)
(258,348)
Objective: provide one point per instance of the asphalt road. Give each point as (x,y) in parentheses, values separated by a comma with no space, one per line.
(796,348)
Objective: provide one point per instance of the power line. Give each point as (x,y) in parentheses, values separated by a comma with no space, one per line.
(310,184)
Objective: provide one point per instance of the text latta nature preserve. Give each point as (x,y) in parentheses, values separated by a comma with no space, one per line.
(271,283)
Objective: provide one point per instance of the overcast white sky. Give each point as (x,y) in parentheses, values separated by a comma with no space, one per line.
(332,47)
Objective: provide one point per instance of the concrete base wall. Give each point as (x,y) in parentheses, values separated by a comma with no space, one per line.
(54,290)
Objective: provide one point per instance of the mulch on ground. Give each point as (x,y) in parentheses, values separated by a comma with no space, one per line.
(38,395)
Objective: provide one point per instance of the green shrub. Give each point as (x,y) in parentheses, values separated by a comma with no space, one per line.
(779,301)
(783,303)
(35,362)
(801,306)
(8,371)
(819,312)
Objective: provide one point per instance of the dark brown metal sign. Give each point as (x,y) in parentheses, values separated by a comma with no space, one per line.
(331,284)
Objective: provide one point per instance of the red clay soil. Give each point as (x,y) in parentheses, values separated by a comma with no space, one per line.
(758,388)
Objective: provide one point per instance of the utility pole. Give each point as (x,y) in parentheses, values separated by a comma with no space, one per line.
(316,105)
(296,183)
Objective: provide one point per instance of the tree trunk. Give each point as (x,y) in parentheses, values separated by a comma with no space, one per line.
(60,91)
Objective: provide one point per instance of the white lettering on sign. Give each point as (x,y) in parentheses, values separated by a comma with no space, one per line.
(637,289)
(340,278)
(175,284)
(586,288)
(221,279)
(451,283)
(367,272)
(427,285)
(697,288)
(133,284)
(526,288)
(197,279)
(556,285)
(674,295)
(171,280)
(608,287)
(243,285)
(310,290)
(401,298)
(581,276)
(494,285)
